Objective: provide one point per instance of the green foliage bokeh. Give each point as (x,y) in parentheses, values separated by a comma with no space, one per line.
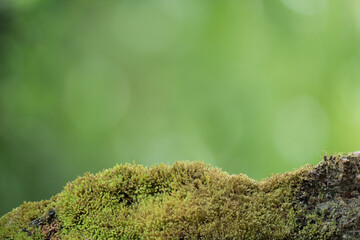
(253,87)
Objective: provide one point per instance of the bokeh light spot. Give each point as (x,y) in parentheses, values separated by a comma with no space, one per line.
(348,88)
(300,130)
(144,28)
(96,97)
(306,6)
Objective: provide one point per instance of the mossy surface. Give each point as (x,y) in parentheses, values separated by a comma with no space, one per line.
(190,200)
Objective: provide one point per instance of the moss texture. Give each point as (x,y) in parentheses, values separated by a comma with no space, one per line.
(190,200)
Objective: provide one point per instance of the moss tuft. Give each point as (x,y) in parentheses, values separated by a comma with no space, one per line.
(190,200)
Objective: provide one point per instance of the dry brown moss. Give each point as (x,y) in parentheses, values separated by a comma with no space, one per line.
(188,200)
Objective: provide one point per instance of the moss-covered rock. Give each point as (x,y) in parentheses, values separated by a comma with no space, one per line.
(190,200)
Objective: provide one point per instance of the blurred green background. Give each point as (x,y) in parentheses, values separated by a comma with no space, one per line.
(250,86)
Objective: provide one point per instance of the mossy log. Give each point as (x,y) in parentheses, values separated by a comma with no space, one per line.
(190,200)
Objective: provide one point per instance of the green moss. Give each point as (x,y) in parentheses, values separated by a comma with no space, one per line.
(188,200)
